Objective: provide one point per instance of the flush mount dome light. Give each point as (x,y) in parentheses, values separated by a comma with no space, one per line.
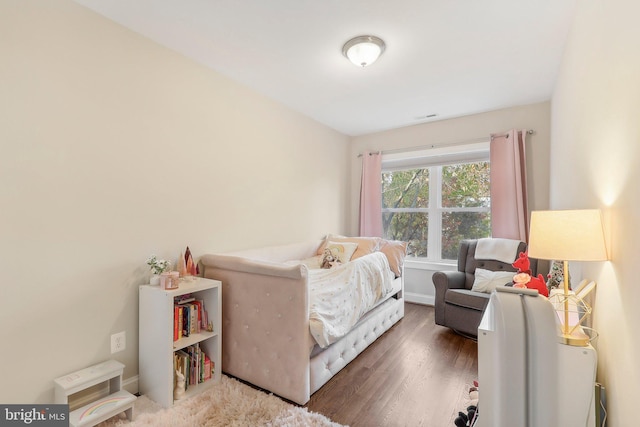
(363,50)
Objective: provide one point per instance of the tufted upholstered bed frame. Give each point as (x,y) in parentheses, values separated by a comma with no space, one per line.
(265,315)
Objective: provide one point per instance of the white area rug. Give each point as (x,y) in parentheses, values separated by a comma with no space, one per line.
(229,403)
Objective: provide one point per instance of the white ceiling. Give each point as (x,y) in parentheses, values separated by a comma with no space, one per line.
(444,57)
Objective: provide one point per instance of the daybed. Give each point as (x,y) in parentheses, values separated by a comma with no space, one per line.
(268,297)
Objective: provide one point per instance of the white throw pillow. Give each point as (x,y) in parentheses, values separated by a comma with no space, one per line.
(486,280)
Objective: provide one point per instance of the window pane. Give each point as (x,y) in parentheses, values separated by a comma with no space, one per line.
(466,185)
(457,226)
(409,227)
(405,189)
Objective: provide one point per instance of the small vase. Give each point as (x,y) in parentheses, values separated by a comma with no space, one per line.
(155,280)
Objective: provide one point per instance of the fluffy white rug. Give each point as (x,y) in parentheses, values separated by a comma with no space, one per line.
(229,403)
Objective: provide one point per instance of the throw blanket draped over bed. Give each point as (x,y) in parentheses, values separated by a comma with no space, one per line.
(340,296)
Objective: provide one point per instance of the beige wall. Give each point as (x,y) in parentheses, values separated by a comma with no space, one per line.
(595,141)
(114,148)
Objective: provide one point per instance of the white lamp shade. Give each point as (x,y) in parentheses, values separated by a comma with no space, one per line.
(363,50)
(567,235)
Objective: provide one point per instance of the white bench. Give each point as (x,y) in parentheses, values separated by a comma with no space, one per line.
(102,409)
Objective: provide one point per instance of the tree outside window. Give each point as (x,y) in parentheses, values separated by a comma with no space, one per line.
(435,207)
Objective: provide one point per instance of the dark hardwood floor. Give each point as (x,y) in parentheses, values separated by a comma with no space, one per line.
(416,374)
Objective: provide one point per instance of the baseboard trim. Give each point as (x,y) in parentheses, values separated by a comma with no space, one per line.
(419,298)
(131,384)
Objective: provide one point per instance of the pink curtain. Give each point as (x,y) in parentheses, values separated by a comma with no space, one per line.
(509,211)
(371,195)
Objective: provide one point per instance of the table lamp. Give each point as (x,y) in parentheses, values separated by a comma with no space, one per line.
(568,235)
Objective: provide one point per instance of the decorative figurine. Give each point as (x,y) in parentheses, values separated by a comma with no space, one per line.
(178,391)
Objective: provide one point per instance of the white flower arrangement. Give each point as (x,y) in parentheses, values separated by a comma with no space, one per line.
(158,266)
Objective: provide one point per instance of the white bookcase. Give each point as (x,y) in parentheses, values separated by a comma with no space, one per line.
(156,344)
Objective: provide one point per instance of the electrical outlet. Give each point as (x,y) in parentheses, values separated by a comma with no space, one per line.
(118,342)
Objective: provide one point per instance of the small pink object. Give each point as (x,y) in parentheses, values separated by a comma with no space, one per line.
(182,266)
(175,279)
(165,280)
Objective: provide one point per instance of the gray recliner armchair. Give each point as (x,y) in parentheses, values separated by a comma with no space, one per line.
(456,305)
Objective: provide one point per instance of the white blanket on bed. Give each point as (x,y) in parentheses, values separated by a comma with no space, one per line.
(340,296)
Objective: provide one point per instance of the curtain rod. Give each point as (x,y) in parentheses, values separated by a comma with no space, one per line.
(529,132)
(442,144)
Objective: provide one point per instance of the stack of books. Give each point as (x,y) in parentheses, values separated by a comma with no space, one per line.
(189,316)
(194,364)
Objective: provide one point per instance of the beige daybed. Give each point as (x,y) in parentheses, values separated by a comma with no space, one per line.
(266,310)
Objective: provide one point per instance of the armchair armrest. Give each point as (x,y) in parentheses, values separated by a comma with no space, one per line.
(449,279)
(444,280)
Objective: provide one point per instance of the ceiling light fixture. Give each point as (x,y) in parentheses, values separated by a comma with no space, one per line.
(363,50)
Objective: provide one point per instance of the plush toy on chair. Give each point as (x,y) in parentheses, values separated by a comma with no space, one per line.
(523,278)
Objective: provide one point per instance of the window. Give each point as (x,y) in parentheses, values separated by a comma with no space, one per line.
(434,200)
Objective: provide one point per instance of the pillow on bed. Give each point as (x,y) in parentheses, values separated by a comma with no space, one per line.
(487,281)
(366,245)
(342,250)
(395,250)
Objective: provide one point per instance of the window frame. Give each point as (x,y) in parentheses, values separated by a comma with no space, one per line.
(434,159)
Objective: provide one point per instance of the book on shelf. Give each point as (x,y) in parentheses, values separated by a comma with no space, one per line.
(205,320)
(183,299)
(199,310)
(207,367)
(185,320)
(204,316)
(193,319)
(192,367)
(194,364)
(176,317)
(189,318)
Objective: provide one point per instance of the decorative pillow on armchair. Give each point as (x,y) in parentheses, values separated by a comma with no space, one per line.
(487,281)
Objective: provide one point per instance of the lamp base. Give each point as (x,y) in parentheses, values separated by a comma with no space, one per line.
(577,339)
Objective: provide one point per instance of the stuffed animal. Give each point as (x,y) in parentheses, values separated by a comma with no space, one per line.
(522,264)
(539,284)
(329,259)
(520,280)
(474,394)
(523,278)
(468,419)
